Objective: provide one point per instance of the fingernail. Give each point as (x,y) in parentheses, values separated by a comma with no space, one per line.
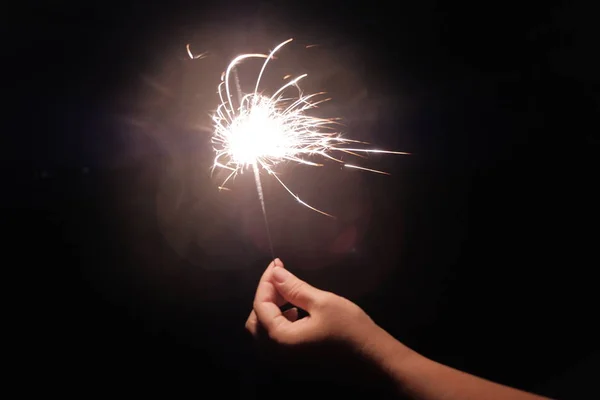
(278,262)
(280,274)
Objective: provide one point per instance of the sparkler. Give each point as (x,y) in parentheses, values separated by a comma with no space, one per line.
(262,131)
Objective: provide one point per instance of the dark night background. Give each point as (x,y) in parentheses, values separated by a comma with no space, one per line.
(134,275)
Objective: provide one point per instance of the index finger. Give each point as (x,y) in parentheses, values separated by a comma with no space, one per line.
(268,291)
(267,301)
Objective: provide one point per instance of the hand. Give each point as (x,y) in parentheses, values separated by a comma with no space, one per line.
(331,317)
(337,342)
(335,319)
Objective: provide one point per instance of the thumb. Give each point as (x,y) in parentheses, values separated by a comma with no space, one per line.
(295,290)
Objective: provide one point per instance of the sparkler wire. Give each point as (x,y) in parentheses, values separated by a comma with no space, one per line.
(259,189)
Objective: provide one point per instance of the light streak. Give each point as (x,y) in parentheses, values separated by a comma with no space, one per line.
(194,57)
(264,131)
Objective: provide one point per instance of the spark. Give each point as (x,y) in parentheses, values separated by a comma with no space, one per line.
(261,131)
(193,57)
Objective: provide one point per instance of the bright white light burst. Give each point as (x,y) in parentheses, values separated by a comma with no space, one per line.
(262,131)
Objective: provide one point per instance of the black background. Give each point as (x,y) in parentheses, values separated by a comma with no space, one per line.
(478,251)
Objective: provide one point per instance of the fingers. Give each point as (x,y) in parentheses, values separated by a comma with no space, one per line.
(268,313)
(291,314)
(252,321)
(269,291)
(276,287)
(266,307)
(295,290)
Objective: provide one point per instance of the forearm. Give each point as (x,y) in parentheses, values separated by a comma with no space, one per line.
(424,379)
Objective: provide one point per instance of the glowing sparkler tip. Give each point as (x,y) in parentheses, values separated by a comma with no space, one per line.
(260,130)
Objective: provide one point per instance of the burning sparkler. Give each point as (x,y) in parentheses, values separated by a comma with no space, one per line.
(263,131)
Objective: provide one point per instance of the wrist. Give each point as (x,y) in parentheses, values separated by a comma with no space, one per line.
(386,352)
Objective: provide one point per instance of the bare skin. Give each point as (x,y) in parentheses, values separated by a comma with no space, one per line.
(334,318)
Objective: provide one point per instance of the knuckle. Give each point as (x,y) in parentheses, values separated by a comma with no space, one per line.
(279,335)
(355,311)
(281,338)
(275,336)
(325,299)
(296,289)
